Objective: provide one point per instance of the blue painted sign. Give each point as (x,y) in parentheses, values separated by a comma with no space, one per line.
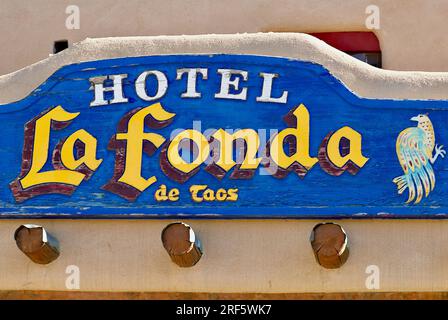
(231,136)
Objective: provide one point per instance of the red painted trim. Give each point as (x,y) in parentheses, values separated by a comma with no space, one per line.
(350,41)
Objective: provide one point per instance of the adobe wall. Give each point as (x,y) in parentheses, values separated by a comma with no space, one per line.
(266,256)
(412,34)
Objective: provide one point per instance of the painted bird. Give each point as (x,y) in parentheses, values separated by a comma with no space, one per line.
(414,148)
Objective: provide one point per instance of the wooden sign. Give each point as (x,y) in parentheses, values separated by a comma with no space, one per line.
(232,136)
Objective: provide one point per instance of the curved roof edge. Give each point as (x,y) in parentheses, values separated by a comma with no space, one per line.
(360,78)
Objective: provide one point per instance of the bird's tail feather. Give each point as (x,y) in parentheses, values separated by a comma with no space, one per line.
(417,185)
(405,182)
(402,183)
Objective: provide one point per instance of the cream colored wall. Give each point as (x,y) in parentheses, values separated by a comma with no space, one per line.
(412,33)
(240,256)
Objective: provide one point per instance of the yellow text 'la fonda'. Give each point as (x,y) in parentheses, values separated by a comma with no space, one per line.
(74,159)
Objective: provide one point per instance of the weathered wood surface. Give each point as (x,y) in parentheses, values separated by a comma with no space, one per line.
(36,243)
(330,245)
(84,295)
(321,190)
(182,244)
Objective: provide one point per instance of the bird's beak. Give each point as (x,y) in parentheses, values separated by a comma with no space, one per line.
(414,118)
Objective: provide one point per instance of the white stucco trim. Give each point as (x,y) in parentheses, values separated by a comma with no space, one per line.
(360,78)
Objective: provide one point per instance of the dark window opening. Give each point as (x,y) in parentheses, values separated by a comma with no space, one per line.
(360,45)
(60,45)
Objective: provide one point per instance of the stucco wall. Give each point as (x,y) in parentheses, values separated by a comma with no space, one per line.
(412,33)
(240,255)
(359,77)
